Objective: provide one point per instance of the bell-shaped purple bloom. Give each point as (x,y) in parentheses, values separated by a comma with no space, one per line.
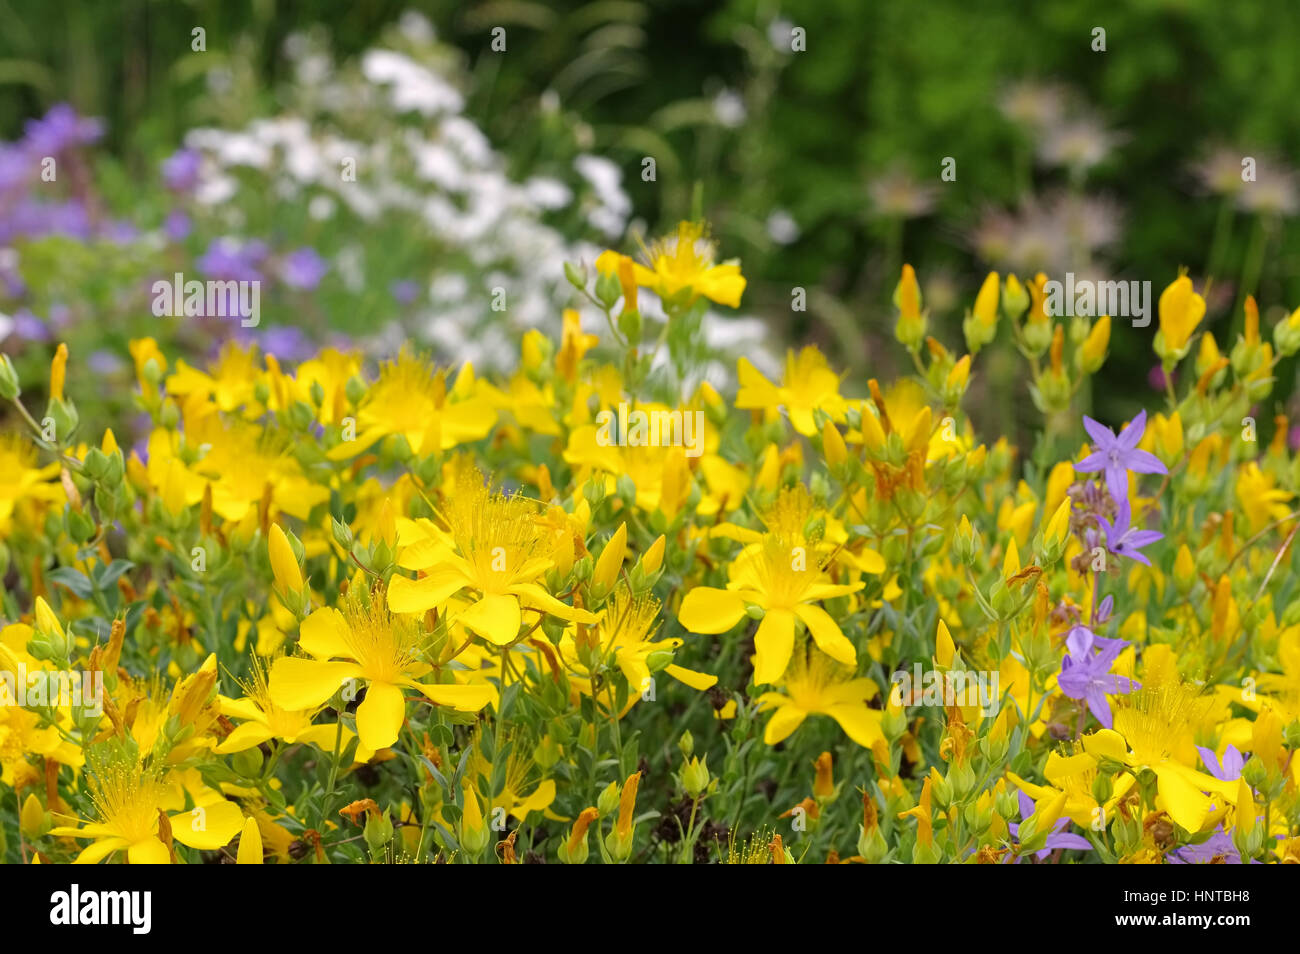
(1057,838)
(1123,539)
(1116,456)
(1229,770)
(1219,845)
(1085,671)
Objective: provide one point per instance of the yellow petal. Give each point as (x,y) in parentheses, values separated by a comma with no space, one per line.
(826,632)
(462,698)
(208,827)
(784,721)
(417,596)
(306,683)
(324,634)
(696,680)
(250,845)
(773,645)
(495,617)
(860,723)
(380,715)
(151,851)
(709,610)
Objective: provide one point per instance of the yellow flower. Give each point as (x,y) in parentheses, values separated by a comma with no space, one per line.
(230,382)
(23,482)
(684,262)
(263,720)
(498,548)
(1181,310)
(411,399)
(366,643)
(815,684)
(625,633)
(807,384)
(1260,499)
(1073,775)
(781,577)
(1156,731)
(128,801)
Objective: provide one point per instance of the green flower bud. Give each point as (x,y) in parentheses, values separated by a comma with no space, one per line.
(9,387)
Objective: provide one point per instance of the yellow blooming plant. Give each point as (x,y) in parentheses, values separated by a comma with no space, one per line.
(600,609)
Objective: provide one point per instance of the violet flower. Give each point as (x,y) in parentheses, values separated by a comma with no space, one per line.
(1219,845)
(180,170)
(1229,770)
(1123,539)
(60,129)
(303,269)
(1057,838)
(1118,455)
(1085,671)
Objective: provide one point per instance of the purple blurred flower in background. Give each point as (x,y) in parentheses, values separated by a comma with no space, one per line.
(405,291)
(15,169)
(180,170)
(1086,674)
(121,231)
(28,327)
(286,342)
(104,362)
(33,219)
(303,269)
(59,130)
(228,260)
(177,225)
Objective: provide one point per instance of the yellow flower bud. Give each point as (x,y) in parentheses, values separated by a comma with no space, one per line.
(1059,526)
(944,648)
(986,302)
(824,783)
(284,564)
(58,372)
(250,844)
(611,560)
(959,376)
(653,558)
(1094,346)
(833,444)
(32,818)
(1181,310)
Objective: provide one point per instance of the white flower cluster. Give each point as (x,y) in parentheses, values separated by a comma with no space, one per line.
(386,146)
